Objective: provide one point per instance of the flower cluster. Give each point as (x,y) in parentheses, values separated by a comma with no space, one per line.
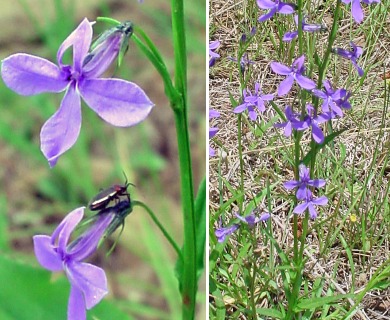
(251,220)
(213,45)
(57,253)
(118,102)
(328,102)
(212,130)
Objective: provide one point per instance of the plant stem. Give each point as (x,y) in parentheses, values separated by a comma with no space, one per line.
(188,281)
(159,225)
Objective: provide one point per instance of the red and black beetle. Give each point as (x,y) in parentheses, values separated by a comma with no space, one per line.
(104,197)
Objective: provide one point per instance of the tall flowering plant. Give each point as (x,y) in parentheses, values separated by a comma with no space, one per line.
(317,103)
(120,103)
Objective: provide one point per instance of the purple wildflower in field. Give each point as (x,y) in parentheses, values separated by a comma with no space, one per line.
(244,37)
(313,121)
(295,72)
(251,220)
(351,55)
(303,183)
(333,100)
(244,61)
(222,232)
(119,102)
(88,282)
(213,130)
(253,100)
(356,8)
(274,7)
(292,121)
(213,45)
(308,27)
(310,204)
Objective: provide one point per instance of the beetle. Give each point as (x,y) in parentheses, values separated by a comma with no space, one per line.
(104,197)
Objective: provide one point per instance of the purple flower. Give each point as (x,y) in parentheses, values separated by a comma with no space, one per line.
(274,7)
(222,232)
(119,102)
(309,204)
(88,282)
(292,120)
(289,36)
(244,61)
(251,219)
(295,72)
(213,130)
(333,100)
(352,55)
(213,45)
(253,100)
(303,182)
(313,121)
(357,11)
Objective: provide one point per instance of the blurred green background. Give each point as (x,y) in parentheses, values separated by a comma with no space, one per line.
(34,198)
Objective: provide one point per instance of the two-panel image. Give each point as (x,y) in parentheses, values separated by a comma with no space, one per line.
(195,160)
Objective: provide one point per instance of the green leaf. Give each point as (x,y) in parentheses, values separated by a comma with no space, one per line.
(318,147)
(274,314)
(313,303)
(30,293)
(200,218)
(233,101)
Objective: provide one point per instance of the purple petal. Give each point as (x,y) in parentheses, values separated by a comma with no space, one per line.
(321,201)
(357,11)
(28,75)
(285,86)
(359,70)
(76,305)
(289,36)
(318,136)
(61,131)
(318,183)
(46,255)
(267,97)
(265,216)
(288,129)
(87,243)
(101,57)
(312,211)
(67,226)
(211,152)
(298,62)
(90,280)
(80,39)
(213,114)
(300,208)
(212,132)
(119,102)
(285,8)
(265,4)
(252,113)
(291,184)
(280,68)
(214,44)
(267,16)
(320,94)
(305,82)
(302,192)
(240,108)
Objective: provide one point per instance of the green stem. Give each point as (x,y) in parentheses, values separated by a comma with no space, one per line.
(188,276)
(159,225)
(188,281)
